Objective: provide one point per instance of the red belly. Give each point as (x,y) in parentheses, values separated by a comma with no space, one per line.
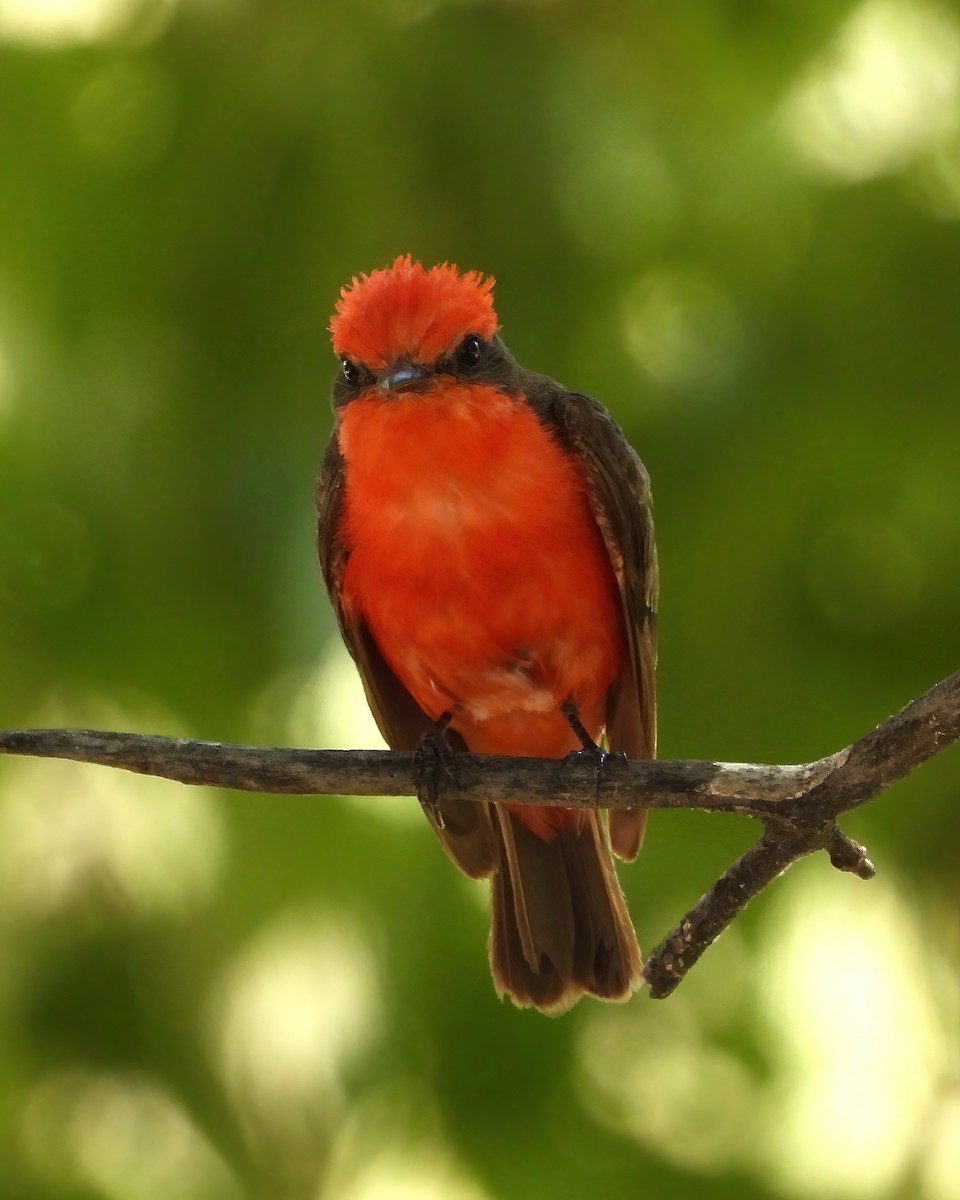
(478,567)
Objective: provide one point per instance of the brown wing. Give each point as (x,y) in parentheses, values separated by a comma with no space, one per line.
(462,826)
(620,497)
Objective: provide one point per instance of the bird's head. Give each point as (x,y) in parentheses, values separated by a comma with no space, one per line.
(402,328)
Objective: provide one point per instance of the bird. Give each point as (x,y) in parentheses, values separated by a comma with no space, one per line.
(486,539)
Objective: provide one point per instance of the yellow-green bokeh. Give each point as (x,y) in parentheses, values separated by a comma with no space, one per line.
(736,224)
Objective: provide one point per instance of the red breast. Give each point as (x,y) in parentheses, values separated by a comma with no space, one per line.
(479,568)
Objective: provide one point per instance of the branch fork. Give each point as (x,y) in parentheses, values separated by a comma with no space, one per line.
(798,805)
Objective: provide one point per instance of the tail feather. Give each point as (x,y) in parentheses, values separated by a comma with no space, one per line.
(560,925)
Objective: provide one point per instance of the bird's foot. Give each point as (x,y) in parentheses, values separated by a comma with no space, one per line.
(590,753)
(434,763)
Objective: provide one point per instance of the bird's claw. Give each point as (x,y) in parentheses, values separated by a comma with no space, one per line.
(434,763)
(589,753)
(596,757)
(593,756)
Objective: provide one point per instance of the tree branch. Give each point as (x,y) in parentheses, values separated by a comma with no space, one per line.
(798,805)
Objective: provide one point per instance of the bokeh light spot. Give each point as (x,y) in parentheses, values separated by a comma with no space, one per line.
(885,91)
(940,1169)
(71,832)
(857,1032)
(935,182)
(680,328)
(662,1074)
(391,1147)
(331,703)
(327,707)
(55,22)
(297,1007)
(120,1136)
(410,1177)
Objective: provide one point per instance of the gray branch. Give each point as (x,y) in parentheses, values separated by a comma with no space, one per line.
(798,805)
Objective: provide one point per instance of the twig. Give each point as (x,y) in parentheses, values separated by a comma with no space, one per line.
(798,805)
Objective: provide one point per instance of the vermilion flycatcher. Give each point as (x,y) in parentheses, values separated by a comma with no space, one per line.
(486,540)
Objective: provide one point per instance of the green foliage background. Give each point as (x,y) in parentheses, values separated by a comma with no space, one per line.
(738,225)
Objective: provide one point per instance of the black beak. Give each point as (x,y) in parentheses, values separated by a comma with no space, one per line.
(405,377)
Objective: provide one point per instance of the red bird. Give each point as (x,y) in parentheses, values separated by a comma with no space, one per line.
(486,540)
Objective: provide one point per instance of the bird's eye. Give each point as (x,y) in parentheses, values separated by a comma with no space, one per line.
(350,370)
(470,350)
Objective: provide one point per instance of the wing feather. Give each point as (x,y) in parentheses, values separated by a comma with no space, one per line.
(620,498)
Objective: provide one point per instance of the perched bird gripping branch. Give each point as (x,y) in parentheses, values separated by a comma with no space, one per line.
(486,539)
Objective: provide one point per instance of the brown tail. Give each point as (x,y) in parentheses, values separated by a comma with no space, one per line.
(560,925)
